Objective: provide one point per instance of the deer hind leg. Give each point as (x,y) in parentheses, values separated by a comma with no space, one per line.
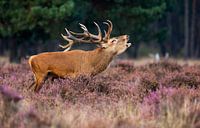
(52,76)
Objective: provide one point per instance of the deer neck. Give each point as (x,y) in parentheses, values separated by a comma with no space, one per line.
(100,59)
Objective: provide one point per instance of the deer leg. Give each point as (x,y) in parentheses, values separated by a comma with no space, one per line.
(39,80)
(33,83)
(52,76)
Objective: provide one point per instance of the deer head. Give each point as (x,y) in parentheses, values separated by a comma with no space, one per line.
(116,44)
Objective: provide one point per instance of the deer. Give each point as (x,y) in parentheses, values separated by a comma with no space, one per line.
(72,63)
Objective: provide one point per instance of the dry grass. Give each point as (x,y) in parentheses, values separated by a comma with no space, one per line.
(151,95)
(142,61)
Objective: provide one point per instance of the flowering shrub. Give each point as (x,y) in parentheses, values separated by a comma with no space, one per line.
(125,95)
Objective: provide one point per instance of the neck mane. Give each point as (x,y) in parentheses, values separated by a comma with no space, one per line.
(100,59)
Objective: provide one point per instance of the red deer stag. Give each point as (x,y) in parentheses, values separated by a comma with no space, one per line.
(76,62)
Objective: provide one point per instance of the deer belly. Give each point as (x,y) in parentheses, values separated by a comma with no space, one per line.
(62,73)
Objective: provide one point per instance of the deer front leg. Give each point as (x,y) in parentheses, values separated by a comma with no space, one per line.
(38,81)
(33,83)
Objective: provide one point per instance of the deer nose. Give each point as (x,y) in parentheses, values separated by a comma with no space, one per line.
(128,44)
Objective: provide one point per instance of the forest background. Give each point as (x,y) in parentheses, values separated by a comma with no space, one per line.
(157,26)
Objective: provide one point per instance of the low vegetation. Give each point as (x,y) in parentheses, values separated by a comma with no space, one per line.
(154,95)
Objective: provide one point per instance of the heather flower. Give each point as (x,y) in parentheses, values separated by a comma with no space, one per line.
(10,94)
(124,95)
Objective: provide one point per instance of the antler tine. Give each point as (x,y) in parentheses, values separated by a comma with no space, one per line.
(99,36)
(85,37)
(78,34)
(65,37)
(83,27)
(70,36)
(68,46)
(68,33)
(110,27)
(71,39)
(105,32)
(87,34)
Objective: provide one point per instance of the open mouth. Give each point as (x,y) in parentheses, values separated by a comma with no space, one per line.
(128,44)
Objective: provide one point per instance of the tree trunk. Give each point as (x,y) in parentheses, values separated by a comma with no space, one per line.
(193,23)
(186,29)
(197,52)
(21,53)
(13,51)
(176,40)
(133,50)
(162,24)
(162,48)
(197,46)
(169,26)
(1,48)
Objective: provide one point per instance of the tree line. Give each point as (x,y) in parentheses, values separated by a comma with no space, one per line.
(31,27)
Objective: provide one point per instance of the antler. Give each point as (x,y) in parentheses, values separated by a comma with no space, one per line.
(86,36)
(69,45)
(110,27)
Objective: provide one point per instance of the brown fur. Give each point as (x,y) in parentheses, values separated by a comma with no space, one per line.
(75,62)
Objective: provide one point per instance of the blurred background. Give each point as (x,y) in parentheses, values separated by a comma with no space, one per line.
(164,27)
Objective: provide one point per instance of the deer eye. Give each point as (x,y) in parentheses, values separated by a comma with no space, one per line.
(114,41)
